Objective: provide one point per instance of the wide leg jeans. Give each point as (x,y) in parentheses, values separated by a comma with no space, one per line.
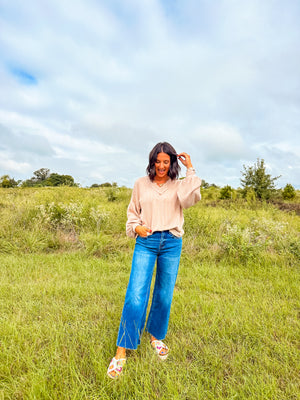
(164,249)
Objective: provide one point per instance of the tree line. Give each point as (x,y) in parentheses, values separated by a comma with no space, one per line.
(41,177)
(255,182)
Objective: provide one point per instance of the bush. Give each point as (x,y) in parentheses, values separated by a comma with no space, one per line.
(226,192)
(7,182)
(112,194)
(289,192)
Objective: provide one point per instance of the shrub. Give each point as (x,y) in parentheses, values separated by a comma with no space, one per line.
(7,182)
(243,243)
(112,194)
(289,192)
(59,215)
(226,192)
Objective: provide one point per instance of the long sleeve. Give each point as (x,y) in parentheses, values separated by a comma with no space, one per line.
(189,189)
(133,213)
(160,208)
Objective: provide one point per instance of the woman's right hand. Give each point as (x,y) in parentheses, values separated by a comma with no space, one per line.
(185,159)
(142,230)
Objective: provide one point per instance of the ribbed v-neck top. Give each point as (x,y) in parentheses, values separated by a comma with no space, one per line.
(161,208)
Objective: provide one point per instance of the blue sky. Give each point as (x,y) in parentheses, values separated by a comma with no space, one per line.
(89,87)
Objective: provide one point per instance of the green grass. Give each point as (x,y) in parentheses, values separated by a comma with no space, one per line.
(234,330)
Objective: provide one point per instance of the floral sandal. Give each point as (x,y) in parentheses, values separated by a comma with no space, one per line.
(160,348)
(116,366)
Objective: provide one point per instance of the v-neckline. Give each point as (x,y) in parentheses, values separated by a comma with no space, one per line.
(160,189)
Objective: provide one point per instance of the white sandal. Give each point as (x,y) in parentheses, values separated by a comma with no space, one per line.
(116,366)
(158,346)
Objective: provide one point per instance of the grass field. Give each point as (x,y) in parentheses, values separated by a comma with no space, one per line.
(234,330)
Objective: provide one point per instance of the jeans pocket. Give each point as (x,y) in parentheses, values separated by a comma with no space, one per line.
(173,236)
(141,237)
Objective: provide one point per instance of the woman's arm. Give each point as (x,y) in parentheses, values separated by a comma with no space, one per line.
(189,189)
(134,222)
(133,213)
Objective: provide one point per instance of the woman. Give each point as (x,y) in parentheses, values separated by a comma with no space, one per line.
(155,219)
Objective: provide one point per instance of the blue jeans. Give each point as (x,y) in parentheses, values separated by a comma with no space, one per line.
(164,248)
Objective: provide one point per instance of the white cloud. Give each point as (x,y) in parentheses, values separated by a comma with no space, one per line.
(12,166)
(220,142)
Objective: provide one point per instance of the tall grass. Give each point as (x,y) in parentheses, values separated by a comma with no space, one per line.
(234,331)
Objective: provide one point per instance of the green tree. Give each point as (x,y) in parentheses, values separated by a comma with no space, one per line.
(60,180)
(105,184)
(289,192)
(28,183)
(256,178)
(41,175)
(39,179)
(226,192)
(204,184)
(7,182)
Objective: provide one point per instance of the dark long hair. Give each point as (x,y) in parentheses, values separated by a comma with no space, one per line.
(163,147)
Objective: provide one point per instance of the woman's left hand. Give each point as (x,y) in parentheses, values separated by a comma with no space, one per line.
(185,159)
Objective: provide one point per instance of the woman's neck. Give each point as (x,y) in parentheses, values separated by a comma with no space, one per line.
(161,181)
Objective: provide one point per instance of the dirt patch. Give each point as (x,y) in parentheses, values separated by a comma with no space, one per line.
(287,206)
